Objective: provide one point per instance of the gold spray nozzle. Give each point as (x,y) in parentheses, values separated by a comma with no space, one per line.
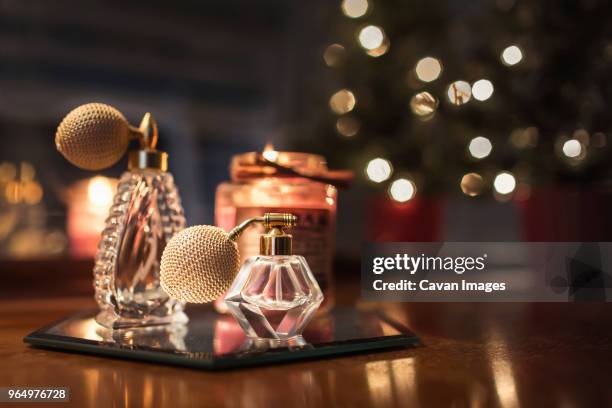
(275,241)
(279,220)
(148,132)
(147,157)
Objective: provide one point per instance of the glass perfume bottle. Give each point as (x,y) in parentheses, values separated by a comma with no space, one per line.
(145,214)
(257,188)
(275,294)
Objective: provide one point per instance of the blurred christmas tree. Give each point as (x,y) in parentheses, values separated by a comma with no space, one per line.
(477,96)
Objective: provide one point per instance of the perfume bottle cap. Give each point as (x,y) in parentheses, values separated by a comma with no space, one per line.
(275,241)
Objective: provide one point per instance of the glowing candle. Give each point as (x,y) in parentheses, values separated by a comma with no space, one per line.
(88,204)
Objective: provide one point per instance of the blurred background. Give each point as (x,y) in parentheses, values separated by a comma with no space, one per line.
(466,121)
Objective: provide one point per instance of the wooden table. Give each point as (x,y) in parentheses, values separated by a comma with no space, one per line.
(473,355)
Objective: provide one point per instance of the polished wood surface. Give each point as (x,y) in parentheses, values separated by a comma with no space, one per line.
(473,355)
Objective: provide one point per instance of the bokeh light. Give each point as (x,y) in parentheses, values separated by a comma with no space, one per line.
(32,192)
(380,50)
(428,69)
(459,92)
(423,104)
(347,126)
(582,135)
(472,184)
(342,102)
(27,172)
(482,89)
(8,172)
(511,55)
(354,8)
(371,37)
(525,138)
(20,186)
(333,55)
(402,190)
(100,191)
(13,192)
(572,148)
(379,170)
(480,147)
(504,183)
(269,153)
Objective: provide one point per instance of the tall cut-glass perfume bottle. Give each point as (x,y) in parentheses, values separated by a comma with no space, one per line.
(275,294)
(145,214)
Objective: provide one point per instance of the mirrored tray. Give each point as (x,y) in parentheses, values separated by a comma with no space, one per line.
(212,341)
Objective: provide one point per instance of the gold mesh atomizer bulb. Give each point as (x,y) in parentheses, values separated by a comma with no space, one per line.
(95,136)
(200,263)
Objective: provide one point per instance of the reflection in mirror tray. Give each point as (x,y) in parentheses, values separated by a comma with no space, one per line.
(213,341)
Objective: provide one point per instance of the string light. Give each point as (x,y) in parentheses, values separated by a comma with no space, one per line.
(402,190)
(504,183)
(480,147)
(572,148)
(459,92)
(428,69)
(482,89)
(354,8)
(471,184)
(342,102)
(371,37)
(379,170)
(333,55)
(423,104)
(511,55)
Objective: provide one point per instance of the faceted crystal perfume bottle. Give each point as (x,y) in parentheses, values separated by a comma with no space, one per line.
(275,294)
(145,214)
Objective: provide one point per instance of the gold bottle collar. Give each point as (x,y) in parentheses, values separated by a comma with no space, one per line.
(275,242)
(148,159)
